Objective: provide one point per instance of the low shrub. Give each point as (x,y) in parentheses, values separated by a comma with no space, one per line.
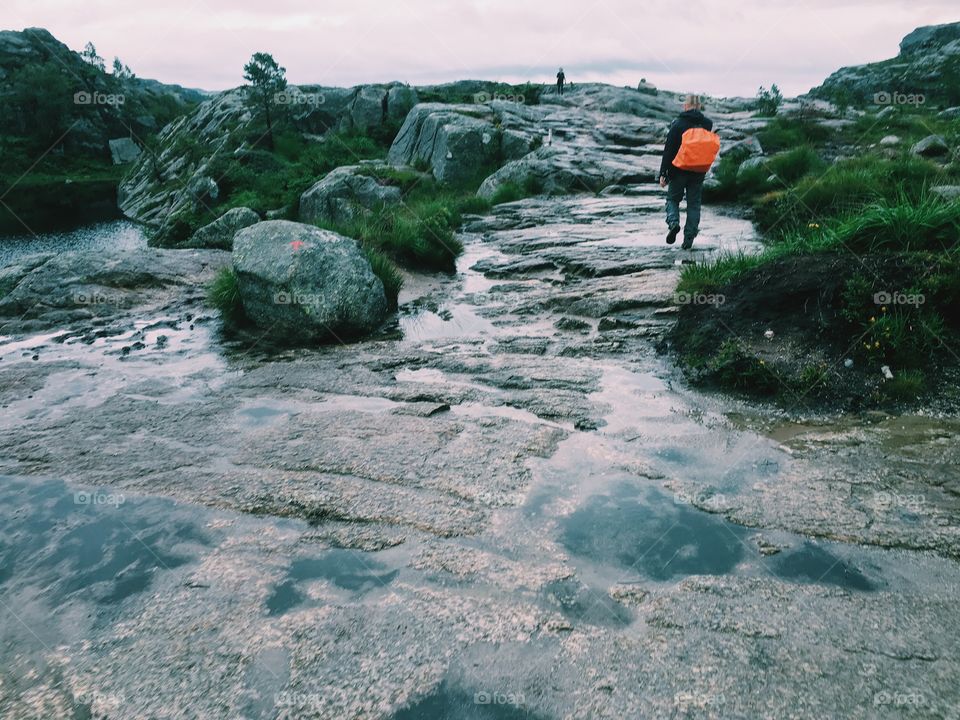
(788,133)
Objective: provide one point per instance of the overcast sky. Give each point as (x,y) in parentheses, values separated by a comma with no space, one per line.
(719,48)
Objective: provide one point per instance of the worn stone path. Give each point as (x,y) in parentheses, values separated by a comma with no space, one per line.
(506,506)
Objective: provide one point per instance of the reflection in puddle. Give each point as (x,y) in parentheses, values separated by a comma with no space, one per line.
(813,564)
(94,545)
(652,535)
(504,411)
(428,325)
(261,416)
(351,570)
(648,532)
(359,403)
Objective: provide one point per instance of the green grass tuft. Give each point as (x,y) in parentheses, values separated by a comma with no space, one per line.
(906,385)
(474,205)
(707,277)
(224,295)
(902,225)
(389,275)
(507,192)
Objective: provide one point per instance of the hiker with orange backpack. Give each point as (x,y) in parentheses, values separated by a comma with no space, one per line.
(689,152)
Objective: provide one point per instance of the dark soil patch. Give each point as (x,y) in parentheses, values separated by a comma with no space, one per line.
(804,364)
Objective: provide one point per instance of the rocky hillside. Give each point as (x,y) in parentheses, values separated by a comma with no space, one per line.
(182,171)
(928,64)
(66,127)
(593,137)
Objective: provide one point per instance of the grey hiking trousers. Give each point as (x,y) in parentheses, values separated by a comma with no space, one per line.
(691,184)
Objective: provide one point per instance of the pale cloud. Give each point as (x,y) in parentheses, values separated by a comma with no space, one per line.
(713,47)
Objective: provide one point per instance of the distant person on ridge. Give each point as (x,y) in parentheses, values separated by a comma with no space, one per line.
(689,152)
(561,78)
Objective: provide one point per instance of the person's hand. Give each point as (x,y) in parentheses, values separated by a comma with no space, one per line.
(663,181)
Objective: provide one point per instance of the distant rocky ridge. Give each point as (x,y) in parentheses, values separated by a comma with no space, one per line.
(178,173)
(928,64)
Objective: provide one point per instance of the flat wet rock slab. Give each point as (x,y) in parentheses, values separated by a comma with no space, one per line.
(504,506)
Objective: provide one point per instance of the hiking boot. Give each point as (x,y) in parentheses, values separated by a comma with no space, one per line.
(687,243)
(672,235)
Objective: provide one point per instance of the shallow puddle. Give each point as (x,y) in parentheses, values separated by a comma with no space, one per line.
(811,563)
(647,532)
(95,545)
(351,570)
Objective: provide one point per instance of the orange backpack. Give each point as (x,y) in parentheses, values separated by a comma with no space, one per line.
(698,150)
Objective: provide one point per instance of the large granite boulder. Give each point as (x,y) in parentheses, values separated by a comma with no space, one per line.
(303,284)
(339,195)
(401,99)
(929,37)
(369,108)
(453,140)
(219,234)
(610,99)
(748,147)
(751,163)
(564,169)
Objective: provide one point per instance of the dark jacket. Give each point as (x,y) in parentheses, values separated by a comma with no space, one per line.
(686,120)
